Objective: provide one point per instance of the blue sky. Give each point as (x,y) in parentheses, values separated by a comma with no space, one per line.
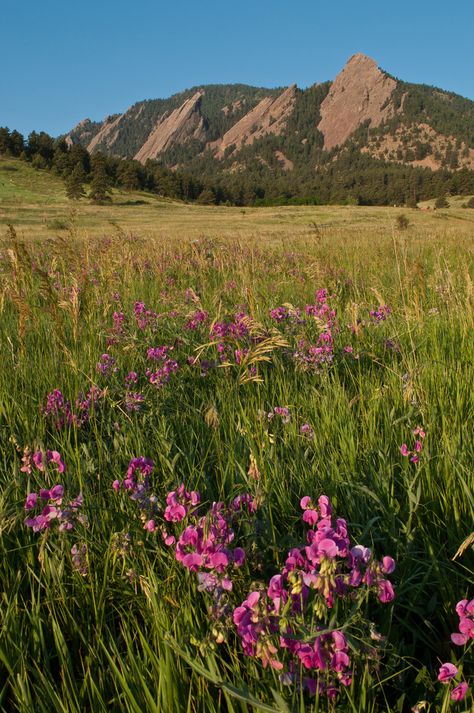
(63,61)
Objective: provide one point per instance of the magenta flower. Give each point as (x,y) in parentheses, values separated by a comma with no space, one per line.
(31,500)
(38,460)
(388,565)
(324,506)
(310,517)
(447,672)
(386,593)
(458,693)
(404,450)
(239,556)
(55,457)
(327,548)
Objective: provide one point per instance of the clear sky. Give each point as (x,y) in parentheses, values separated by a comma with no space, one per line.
(63,60)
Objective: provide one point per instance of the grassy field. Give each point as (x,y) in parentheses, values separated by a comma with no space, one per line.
(35,202)
(263,358)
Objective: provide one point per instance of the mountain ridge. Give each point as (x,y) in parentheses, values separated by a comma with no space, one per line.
(232,125)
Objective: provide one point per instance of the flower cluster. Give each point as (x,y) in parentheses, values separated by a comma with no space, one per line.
(448,673)
(41,461)
(465,612)
(307,431)
(106,365)
(204,543)
(61,413)
(287,314)
(204,547)
(179,502)
(414,455)
(199,317)
(162,375)
(158,353)
(144,317)
(282,412)
(49,508)
(381,313)
(137,481)
(273,622)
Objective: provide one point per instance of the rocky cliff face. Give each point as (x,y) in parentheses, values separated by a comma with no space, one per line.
(107,133)
(268,117)
(410,124)
(181,125)
(359,93)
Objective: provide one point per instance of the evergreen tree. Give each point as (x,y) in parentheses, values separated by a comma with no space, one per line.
(128,175)
(74,183)
(100,183)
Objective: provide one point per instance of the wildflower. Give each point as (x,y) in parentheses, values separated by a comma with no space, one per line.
(26,461)
(282,411)
(465,612)
(163,374)
(158,353)
(31,501)
(51,457)
(458,693)
(447,672)
(414,455)
(79,558)
(106,364)
(381,313)
(133,400)
(199,317)
(50,502)
(144,317)
(307,431)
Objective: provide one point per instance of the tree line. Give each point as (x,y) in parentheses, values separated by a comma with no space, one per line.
(350,177)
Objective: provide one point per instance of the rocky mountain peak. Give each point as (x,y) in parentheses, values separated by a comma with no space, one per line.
(360,92)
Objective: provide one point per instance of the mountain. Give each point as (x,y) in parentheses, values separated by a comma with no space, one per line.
(219,129)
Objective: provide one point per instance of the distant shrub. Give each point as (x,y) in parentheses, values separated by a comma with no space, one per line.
(469,203)
(57,224)
(402,221)
(441,202)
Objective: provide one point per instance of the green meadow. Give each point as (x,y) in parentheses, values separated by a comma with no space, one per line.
(306,349)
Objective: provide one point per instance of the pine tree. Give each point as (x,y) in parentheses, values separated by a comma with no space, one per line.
(74,183)
(128,175)
(100,183)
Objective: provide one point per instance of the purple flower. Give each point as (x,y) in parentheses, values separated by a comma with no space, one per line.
(458,693)
(310,517)
(306,430)
(31,501)
(106,364)
(239,556)
(388,565)
(56,493)
(447,672)
(386,593)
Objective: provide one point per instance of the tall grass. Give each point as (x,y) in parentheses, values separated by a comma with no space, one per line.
(133,634)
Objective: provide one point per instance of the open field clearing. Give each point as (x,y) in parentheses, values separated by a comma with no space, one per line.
(236,455)
(35,202)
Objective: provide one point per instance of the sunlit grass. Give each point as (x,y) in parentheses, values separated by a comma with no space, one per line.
(133,634)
